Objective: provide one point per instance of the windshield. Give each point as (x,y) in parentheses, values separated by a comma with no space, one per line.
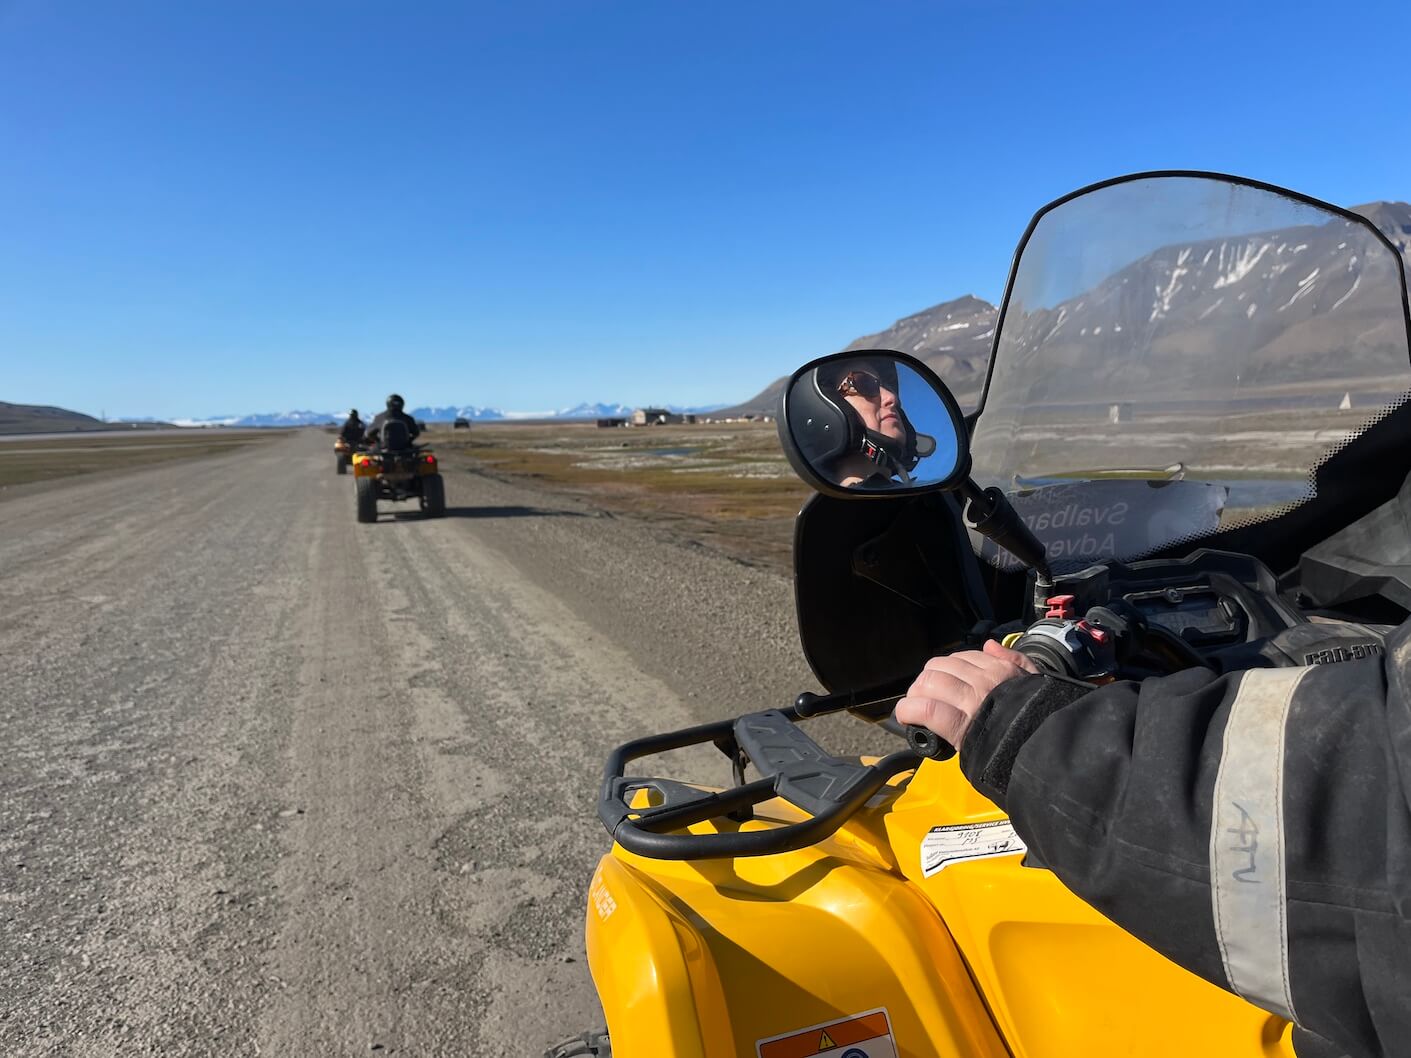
(1176,357)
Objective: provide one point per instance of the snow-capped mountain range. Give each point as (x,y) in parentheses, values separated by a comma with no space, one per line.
(1283,300)
(447,413)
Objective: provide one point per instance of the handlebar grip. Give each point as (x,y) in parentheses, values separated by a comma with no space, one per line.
(927,743)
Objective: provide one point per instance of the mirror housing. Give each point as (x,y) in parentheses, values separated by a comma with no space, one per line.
(872,423)
(844,427)
(879,588)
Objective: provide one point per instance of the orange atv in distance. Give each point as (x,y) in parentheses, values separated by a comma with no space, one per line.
(343,452)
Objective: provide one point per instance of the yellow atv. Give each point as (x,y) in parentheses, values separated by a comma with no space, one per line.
(861,907)
(395,469)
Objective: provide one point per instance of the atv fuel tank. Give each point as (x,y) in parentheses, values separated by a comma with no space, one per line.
(1059,978)
(707,958)
(757,957)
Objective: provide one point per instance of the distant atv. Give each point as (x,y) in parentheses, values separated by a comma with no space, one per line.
(343,452)
(396,469)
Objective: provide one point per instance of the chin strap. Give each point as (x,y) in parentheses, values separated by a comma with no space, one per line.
(873,452)
(876,449)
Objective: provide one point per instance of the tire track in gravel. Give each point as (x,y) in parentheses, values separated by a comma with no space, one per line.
(512,703)
(720,633)
(363,963)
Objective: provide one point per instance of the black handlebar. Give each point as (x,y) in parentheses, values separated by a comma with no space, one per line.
(870,703)
(640,832)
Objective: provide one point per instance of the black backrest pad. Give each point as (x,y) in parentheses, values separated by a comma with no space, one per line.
(395,436)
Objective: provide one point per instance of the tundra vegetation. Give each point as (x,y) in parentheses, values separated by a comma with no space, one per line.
(726,485)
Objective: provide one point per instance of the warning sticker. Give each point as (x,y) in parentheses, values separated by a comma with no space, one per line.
(943,846)
(866,1035)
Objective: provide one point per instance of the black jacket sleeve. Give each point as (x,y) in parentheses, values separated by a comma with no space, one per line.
(1252,827)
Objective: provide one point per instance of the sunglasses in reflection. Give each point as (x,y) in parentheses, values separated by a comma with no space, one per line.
(861,384)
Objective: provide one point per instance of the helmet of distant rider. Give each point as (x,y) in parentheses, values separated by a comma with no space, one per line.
(828,428)
(395,403)
(352,413)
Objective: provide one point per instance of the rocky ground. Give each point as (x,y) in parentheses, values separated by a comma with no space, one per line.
(280,783)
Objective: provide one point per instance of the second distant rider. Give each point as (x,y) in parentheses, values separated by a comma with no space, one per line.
(394,412)
(352,431)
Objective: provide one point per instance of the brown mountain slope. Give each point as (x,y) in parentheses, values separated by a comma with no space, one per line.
(952,337)
(955,337)
(39,418)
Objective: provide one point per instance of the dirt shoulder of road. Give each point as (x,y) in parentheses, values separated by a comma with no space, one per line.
(38,464)
(726,486)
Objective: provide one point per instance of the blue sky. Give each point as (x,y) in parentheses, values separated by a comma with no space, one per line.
(225,207)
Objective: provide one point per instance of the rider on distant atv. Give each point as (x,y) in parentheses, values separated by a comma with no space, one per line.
(352,430)
(394,413)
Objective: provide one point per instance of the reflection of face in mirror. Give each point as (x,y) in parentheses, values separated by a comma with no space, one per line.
(870,389)
(869,422)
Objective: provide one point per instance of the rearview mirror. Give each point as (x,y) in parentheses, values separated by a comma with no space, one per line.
(873,422)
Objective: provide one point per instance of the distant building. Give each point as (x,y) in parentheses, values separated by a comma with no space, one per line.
(1119,413)
(654,417)
(604,424)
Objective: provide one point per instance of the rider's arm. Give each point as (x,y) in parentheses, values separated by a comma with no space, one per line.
(1254,827)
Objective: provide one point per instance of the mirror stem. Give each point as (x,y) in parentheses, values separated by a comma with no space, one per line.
(990,514)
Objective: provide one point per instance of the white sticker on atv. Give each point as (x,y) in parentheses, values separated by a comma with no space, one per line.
(601,898)
(944,846)
(866,1035)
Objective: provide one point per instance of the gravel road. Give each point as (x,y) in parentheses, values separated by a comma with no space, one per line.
(279,783)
